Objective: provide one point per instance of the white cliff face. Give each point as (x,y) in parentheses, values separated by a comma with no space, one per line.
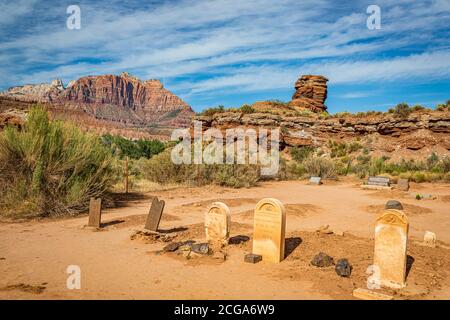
(43,92)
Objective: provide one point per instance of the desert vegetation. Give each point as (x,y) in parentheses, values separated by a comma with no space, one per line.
(51,168)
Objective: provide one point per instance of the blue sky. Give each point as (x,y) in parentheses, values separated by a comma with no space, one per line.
(229,52)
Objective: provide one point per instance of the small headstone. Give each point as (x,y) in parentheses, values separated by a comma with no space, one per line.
(393,204)
(154,215)
(429,239)
(343,268)
(379,181)
(269,230)
(403,184)
(391,241)
(252,258)
(315,181)
(322,260)
(95,212)
(217,223)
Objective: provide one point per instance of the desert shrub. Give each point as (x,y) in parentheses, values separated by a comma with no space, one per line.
(301,153)
(161,169)
(213,111)
(443,107)
(246,109)
(51,168)
(401,110)
(320,167)
(123,147)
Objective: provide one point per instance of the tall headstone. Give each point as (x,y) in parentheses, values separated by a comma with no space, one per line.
(269,230)
(217,223)
(95,212)
(154,215)
(391,242)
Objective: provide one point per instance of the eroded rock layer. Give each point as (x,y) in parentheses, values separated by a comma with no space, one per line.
(311,93)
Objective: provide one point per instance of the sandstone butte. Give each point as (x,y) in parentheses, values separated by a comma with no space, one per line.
(108,103)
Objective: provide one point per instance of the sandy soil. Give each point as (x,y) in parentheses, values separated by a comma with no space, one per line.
(115,264)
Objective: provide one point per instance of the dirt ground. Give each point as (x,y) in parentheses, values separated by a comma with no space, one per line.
(114,264)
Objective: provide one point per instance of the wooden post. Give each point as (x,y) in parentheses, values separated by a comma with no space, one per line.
(126,174)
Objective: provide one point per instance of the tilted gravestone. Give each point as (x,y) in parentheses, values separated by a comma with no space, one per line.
(391,240)
(403,184)
(269,230)
(315,181)
(217,223)
(95,212)
(154,215)
(379,181)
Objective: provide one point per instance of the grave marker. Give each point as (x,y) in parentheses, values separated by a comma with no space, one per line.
(391,240)
(315,181)
(269,230)
(95,212)
(217,223)
(403,184)
(154,215)
(379,181)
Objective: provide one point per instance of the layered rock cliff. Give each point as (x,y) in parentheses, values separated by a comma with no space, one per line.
(121,101)
(418,131)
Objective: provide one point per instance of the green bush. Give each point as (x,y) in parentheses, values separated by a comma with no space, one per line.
(213,111)
(162,170)
(51,168)
(123,147)
(320,167)
(299,154)
(401,110)
(246,109)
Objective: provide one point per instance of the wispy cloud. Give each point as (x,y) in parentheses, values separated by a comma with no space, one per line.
(201,47)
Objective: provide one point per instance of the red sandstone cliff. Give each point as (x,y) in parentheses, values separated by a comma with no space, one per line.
(122,102)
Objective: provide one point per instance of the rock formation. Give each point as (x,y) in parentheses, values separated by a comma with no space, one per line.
(415,132)
(122,102)
(310,94)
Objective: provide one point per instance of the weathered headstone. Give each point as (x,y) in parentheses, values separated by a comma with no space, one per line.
(95,212)
(379,181)
(217,223)
(315,181)
(154,215)
(269,230)
(403,184)
(393,204)
(391,240)
(429,239)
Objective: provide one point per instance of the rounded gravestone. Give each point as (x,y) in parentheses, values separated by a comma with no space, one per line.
(269,227)
(393,204)
(217,223)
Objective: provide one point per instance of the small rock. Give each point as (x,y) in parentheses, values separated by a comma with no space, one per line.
(171,247)
(325,229)
(252,258)
(343,268)
(393,204)
(322,260)
(202,248)
(238,239)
